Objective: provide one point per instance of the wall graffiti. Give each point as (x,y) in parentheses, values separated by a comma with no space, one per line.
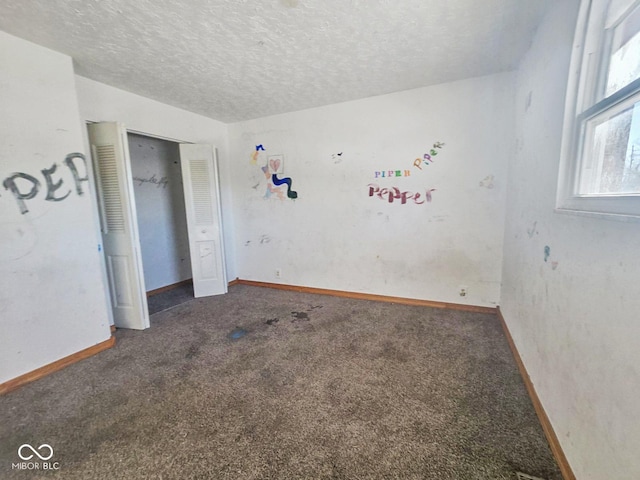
(256,154)
(393,194)
(427,158)
(271,167)
(276,164)
(286,180)
(271,190)
(391,173)
(162,182)
(26,187)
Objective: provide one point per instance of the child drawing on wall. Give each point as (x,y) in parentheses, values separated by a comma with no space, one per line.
(271,189)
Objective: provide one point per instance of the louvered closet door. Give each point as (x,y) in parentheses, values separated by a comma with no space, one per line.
(202,200)
(119,225)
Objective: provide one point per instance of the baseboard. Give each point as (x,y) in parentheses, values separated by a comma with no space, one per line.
(236,281)
(552,438)
(55,366)
(169,287)
(370,296)
(113,328)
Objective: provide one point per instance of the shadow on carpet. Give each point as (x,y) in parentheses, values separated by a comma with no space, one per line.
(170,298)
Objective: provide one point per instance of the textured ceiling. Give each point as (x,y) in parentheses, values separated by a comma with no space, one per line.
(239,59)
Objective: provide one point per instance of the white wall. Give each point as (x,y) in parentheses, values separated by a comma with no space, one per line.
(334,235)
(100,102)
(574,318)
(162,221)
(52,301)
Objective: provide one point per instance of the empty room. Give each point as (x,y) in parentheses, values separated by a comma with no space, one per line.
(320,239)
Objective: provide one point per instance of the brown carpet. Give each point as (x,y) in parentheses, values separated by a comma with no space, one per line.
(262,384)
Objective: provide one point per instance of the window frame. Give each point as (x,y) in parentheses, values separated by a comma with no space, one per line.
(587,78)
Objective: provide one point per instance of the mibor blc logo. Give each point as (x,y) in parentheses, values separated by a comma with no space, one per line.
(35,458)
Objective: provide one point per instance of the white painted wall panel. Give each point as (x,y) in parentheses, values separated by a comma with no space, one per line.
(52,298)
(334,235)
(573,317)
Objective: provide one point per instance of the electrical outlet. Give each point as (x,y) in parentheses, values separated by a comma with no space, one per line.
(278,273)
(463,290)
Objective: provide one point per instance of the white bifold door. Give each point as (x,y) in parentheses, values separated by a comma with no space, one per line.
(202,201)
(119,226)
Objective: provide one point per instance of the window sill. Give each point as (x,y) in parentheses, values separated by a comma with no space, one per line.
(619,217)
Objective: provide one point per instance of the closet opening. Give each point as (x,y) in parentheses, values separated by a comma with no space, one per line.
(162,223)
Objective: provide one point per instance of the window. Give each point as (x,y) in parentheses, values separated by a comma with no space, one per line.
(600,171)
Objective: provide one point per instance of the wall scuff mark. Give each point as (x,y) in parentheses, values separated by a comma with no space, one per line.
(265,239)
(487,182)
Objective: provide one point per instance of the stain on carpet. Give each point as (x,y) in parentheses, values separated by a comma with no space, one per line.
(192,351)
(237,333)
(299,316)
(271,321)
